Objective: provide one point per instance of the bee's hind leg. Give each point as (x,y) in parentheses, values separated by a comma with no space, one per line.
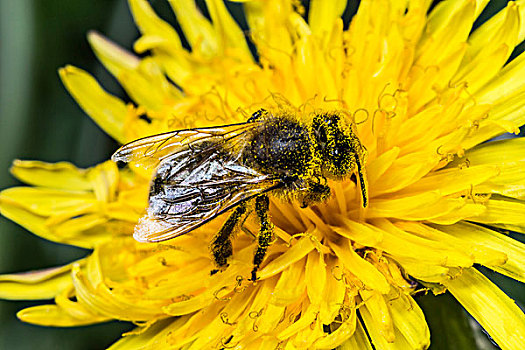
(262,206)
(221,245)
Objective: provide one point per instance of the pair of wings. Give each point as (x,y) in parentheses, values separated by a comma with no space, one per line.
(199,174)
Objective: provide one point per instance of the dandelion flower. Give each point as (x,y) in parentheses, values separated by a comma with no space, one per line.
(425,94)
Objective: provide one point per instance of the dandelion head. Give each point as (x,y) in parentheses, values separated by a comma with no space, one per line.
(420,90)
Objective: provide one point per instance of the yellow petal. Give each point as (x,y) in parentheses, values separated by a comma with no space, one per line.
(410,321)
(449,181)
(307,317)
(364,270)
(154,336)
(322,14)
(345,331)
(378,166)
(209,335)
(143,79)
(502,211)
(106,110)
(227,30)
(61,175)
(151,25)
(290,286)
(297,251)
(54,316)
(197,29)
(35,285)
(423,272)
(102,300)
(447,27)
(493,309)
(377,308)
(401,245)
(482,68)
(403,172)
(333,295)
(481,253)
(115,58)
(505,116)
(505,84)
(359,341)
(315,276)
(395,340)
(500,29)
(513,266)
(39,226)
(508,156)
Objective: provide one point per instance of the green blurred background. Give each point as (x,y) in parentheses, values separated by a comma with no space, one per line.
(39,120)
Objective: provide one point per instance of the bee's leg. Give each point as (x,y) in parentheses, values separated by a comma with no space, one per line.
(316,192)
(221,245)
(262,206)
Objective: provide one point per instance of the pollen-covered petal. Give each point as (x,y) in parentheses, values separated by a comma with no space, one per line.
(106,110)
(493,309)
(35,285)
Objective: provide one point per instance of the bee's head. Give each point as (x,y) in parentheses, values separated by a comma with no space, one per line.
(337,146)
(339,149)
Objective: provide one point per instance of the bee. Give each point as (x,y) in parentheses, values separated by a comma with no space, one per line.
(202,173)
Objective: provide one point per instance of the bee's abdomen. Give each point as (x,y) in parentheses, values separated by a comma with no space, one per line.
(281,147)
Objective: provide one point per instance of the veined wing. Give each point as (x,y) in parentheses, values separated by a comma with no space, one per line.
(194,186)
(149,151)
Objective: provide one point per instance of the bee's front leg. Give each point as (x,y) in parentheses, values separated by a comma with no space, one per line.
(262,206)
(221,245)
(315,192)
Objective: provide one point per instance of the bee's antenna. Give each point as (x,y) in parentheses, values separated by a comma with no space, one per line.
(362,180)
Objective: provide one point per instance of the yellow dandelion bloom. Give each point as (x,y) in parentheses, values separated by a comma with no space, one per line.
(424,92)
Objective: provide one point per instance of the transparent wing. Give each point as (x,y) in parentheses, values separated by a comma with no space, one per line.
(149,151)
(195,185)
